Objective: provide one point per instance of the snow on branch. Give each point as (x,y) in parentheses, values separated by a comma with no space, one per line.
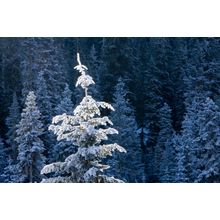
(84,80)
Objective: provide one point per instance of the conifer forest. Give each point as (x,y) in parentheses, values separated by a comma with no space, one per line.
(109,110)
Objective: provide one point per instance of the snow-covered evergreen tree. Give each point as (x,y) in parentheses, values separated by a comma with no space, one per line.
(190,131)
(66,104)
(201,140)
(43,99)
(87,130)
(30,146)
(168,165)
(11,173)
(180,159)
(208,140)
(44,103)
(130,166)
(63,148)
(164,150)
(11,121)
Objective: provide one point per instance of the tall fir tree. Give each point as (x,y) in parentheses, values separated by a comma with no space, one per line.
(44,104)
(190,130)
(86,130)
(130,166)
(62,149)
(66,104)
(208,140)
(164,150)
(180,159)
(201,139)
(30,146)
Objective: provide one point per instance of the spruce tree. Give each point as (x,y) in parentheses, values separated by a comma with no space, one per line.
(190,131)
(208,141)
(11,173)
(163,154)
(201,140)
(164,150)
(87,130)
(130,166)
(44,103)
(63,148)
(43,98)
(30,146)
(180,159)
(66,104)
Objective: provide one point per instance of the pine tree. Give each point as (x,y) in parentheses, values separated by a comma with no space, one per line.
(86,130)
(167,167)
(44,103)
(43,98)
(11,121)
(201,140)
(164,150)
(11,173)
(130,166)
(190,131)
(30,146)
(63,148)
(180,159)
(66,104)
(208,141)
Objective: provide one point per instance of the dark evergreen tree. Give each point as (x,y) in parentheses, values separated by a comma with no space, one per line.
(130,166)
(180,159)
(165,136)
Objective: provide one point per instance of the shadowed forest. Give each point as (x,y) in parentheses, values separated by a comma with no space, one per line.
(166,97)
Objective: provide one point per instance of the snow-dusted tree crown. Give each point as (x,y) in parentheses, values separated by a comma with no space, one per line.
(84,80)
(87,130)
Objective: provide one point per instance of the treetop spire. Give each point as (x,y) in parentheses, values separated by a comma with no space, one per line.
(84,80)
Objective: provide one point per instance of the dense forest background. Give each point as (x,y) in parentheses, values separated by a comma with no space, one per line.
(165,92)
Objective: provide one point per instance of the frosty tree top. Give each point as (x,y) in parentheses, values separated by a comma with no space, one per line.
(84,80)
(87,130)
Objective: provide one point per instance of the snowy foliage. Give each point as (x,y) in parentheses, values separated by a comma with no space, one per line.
(30,146)
(208,140)
(66,104)
(84,80)
(180,160)
(130,166)
(87,130)
(201,140)
(164,150)
(61,149)
(11,173)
